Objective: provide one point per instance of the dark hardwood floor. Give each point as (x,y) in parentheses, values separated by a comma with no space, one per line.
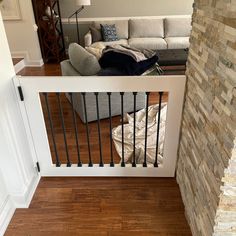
(16,60)
(45,70)
(103,206)
(99,206)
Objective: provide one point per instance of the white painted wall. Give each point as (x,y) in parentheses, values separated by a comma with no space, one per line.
(18,177)
(22,37)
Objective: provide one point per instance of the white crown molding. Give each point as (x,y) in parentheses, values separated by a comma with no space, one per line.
(89,20)
(20,54)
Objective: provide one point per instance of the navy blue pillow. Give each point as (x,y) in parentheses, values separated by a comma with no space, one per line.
(109,33)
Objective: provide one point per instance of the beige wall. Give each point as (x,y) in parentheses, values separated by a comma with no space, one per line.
(116,8)
(22,38)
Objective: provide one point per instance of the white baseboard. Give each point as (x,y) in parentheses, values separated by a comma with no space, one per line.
(19,66)
(18,201)
(23,200)
(28,62)
(6,212)
(36,63)
(20,54)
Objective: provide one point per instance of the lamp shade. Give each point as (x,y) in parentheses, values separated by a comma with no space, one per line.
(83,2)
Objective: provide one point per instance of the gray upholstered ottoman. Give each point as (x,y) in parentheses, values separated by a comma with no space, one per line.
(172,57)
(104,106)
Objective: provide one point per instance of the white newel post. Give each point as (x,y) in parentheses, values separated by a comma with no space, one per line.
(18,177)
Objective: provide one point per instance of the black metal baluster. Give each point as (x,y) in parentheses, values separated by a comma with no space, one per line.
(110,123)
(134,137)
(158,128)
(64,129)
(146,130)
(58,163)
(87,130)
(122,129)
(75,129)
(99,131)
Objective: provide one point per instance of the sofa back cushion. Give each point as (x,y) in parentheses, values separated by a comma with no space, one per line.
(146,28)
(96,34)
(177,27)
(83,61)
(109,33)
(121,27)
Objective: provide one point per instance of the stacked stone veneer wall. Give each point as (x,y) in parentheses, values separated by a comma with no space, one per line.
(209,121)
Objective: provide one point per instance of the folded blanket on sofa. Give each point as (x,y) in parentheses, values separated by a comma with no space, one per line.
(126,63)
(136,54)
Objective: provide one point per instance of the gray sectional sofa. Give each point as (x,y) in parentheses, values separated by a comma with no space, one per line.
(152,34)
(148,33)
(82,63)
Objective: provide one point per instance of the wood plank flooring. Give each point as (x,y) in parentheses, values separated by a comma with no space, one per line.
(16,60)
(103,207)
(45,70)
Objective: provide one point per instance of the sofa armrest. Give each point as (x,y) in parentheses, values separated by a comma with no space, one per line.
(88,39)
(67,69)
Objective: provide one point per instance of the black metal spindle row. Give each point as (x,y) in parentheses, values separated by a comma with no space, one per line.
(146,130)
(99,132)
(76,131)
(158,128)
(134,135)
(87,129)
(58,163)
(122,130)
(112,164)
(64,129)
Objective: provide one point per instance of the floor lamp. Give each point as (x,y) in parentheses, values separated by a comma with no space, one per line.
(81,3)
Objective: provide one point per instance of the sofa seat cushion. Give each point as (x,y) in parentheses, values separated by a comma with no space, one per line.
(121,27)
(83,61)
(119,42)
(177,42)
(177,27)
(146,28)
(148,43)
